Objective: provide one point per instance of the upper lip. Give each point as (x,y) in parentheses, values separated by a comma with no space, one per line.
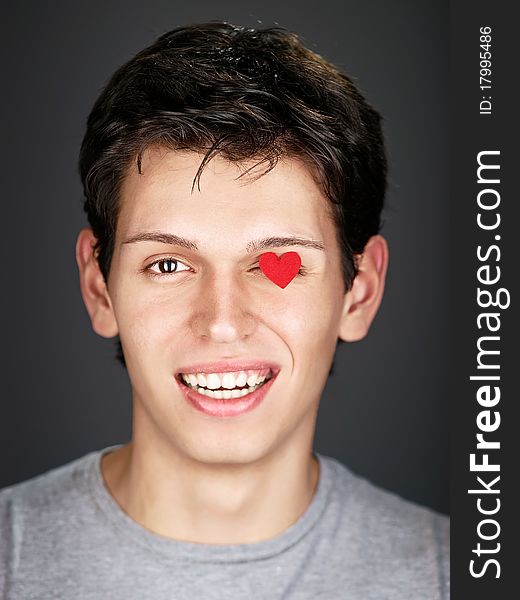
(230,366)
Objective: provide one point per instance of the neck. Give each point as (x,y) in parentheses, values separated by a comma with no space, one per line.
(170,494)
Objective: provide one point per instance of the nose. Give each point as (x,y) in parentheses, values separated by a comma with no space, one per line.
(223,310)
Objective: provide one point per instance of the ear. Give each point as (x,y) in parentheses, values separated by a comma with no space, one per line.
(364,298)
(93,286)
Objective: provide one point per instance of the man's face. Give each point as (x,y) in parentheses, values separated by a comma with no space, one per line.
(218,306)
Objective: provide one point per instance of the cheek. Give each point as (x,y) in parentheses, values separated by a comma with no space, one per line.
(147,321)
(308,327)
(308,320)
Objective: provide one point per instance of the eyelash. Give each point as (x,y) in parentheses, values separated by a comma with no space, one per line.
(302,271)
(164,260)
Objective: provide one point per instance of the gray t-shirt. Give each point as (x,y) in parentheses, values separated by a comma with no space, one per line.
(62,535)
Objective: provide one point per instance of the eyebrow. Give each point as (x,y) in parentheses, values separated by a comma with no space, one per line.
(279,242)
(254,246)
(162,238)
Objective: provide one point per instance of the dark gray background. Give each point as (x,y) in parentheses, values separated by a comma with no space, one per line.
(385,410)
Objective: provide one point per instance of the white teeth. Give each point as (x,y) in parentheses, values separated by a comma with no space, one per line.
(212,381)
(228,381)
(251,380)
(241,379)
(208,384)
(226,394)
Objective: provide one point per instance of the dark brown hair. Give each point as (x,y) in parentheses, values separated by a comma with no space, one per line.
(244,94)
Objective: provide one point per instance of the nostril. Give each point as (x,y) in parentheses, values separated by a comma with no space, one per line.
(225,326)
(231,330)
(224,332)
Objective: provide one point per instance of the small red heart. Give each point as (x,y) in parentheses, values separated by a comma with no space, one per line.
(280,269)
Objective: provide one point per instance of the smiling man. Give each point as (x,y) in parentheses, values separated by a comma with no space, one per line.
(210,154)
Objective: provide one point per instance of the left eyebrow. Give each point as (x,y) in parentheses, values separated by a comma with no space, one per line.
(279,242)
(162,238)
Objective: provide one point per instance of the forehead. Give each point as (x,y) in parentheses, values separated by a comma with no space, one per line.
(226,197)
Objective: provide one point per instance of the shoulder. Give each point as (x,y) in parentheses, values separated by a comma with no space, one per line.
(401,538)
(381,509)
(39,514)
(49,489)
(30,507)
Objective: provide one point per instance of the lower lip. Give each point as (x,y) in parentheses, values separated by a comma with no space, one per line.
(232,407)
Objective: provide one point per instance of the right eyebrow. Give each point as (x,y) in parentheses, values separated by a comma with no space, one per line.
(161,237)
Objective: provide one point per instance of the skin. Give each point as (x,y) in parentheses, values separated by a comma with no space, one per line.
(184,474)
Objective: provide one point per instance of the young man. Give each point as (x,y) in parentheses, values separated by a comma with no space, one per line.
(233,182)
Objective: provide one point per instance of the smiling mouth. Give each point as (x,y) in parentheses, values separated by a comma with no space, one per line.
(228,385)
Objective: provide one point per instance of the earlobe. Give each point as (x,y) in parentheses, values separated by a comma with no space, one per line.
(93,286)
(364,298)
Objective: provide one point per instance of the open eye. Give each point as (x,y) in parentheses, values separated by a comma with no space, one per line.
(166,266)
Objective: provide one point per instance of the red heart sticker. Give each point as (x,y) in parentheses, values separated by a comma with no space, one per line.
(280,269)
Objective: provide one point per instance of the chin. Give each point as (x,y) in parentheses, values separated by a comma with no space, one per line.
(234,450)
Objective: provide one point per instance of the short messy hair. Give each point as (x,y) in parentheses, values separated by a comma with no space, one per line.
(244,94)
